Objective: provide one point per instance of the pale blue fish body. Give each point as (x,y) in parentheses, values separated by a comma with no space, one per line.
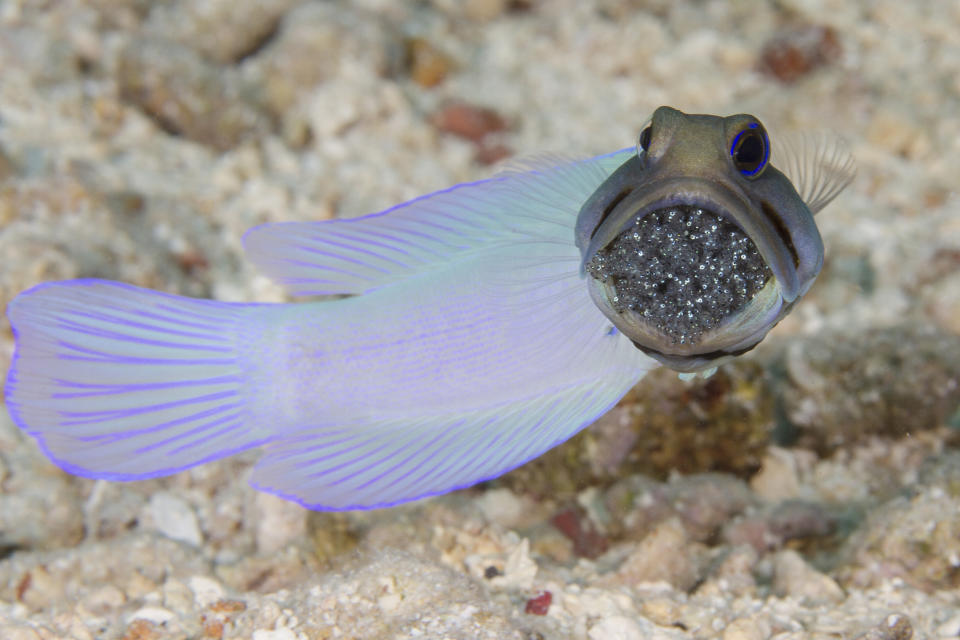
(471,342)
(473,349)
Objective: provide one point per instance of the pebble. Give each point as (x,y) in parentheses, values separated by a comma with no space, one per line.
(618,628)
(39,589)
(519,569)
(793,53)
(223,30)
(275,634)
(793,577)
(667,554)
(468,121)
(746,629)
(175,518)
(206,591)
(279,522)
(186,95)
(505,508)
(155,615)
(104,599)
(950,628)
(19,632)
(896,626)
(428,66)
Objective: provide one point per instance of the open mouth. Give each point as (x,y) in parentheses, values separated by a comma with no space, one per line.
(684,269)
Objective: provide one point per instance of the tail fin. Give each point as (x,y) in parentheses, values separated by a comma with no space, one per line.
(123,383)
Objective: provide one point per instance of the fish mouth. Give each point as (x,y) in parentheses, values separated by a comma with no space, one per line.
(686,317)
(683,269)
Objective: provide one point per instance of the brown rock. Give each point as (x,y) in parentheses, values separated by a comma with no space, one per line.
(795,52)
(468,121)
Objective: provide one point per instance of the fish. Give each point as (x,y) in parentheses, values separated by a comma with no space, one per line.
(445,340)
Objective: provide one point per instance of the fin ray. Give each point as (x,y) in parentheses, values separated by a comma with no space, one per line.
(356,255)
(123,383)
(818,164)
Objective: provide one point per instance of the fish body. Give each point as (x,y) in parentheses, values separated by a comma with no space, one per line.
(472,342)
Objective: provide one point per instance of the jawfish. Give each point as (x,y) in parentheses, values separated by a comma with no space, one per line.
(484,323)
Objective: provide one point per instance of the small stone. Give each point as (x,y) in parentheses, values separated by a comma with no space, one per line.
(484,10)
(662,611)
(746,629)
(950,628)
(428,66)
(223,30)
(896,626)
(504,507)
(154,615)
(667,554)
(177,596)
(574,523)
(519,570)
(279,523)
(18,632)
(793,53)
(733,574)
(174,518)
(276,634)
(779,477)
(38,589)
(793,577)
(188,96)
(141,629)
(539,605)
(468,121)
(104,599)
(206,591)
(491,153)
(617,628)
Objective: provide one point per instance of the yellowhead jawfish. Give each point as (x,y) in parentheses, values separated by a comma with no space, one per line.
(487,322)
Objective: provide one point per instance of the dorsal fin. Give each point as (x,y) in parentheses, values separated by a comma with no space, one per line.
(356,255)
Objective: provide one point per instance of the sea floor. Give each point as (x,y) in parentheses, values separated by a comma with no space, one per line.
(810,490)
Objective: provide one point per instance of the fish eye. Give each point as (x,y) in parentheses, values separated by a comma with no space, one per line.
(750,150)
(645,137)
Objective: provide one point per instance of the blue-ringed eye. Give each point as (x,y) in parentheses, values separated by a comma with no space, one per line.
(750,150)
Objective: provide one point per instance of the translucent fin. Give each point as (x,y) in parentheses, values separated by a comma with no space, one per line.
(357,255)
(543,161)
(508,368)
(819,165)
(122,383)
(371,466)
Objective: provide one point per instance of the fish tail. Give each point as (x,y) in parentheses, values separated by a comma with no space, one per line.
(124,383)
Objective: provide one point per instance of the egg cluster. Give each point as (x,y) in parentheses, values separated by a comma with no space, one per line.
(683,269)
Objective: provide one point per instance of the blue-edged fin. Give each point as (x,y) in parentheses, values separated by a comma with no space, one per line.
(124,383)
(357,255)
(393,461)
(541,365)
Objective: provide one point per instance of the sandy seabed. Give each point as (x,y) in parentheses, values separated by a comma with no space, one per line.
(139,140)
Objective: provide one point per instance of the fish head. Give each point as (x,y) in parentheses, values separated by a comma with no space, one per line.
(697,246)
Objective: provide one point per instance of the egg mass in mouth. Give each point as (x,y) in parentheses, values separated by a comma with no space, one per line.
(684,269)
